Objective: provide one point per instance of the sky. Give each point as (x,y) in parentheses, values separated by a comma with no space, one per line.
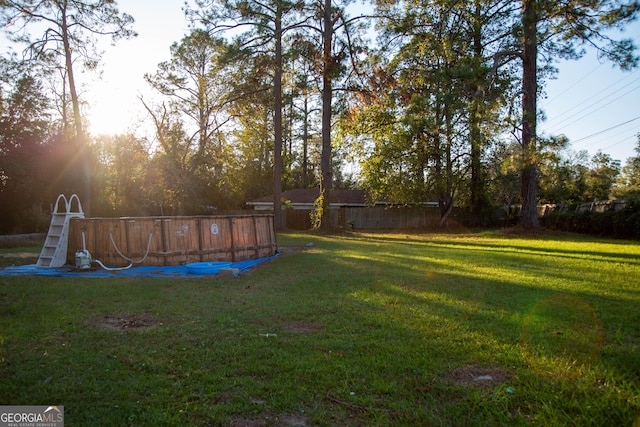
(595,104)
(115,96)
(592,103)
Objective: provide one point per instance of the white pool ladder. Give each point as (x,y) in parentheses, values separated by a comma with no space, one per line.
(54,251)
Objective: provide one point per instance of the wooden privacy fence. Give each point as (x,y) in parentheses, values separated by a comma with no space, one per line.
(173,240)
(380,217)
(384,217)
(375,217)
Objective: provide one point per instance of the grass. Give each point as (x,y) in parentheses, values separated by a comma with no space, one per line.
(359,329)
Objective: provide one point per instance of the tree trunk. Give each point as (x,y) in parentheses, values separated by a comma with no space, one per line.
(477,196)
(305,144)
(447,197)
(529,213)
(327,94)
(277,144)
(81,140)
(477,185)
(445,214)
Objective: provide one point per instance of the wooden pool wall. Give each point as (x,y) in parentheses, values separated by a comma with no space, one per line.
(173,240)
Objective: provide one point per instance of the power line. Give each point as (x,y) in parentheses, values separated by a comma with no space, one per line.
(571,110)
(605,130)
(549,101)
(562,123)
(628,134)
(617,142)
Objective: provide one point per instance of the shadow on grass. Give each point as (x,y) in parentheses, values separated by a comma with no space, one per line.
(509,285)
(393,321)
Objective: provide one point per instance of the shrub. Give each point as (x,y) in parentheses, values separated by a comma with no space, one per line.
(624,223)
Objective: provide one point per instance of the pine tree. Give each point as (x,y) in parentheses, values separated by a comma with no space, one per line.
(68,31)
(560,29)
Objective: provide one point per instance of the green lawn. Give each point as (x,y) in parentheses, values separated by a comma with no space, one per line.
(359,329)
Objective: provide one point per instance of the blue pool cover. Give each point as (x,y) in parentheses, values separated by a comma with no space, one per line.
(198,269)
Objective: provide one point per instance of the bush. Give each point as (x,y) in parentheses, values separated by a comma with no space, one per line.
(624,223)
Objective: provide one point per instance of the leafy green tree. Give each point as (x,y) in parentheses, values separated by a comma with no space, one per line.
(181,192)
(68,31)
(628,184)
(119,177)
(503,175)
(434,104)
(196,86)
(601,176)
(301,83)
(486,25)
(253,175)
(259,28)
(25,180)
(562,172)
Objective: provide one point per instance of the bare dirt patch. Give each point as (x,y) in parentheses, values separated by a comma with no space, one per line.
(303,327)
(269,420)
(479,376)
(135,321)
(289,250)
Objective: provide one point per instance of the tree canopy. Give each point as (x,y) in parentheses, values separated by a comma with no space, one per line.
(259,98)
(68,29)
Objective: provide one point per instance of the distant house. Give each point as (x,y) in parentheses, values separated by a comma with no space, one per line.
(304,199)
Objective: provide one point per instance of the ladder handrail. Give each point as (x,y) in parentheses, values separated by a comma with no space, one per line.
(68,204)
(74,196)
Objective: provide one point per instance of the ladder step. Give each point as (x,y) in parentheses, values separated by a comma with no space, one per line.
(54,251)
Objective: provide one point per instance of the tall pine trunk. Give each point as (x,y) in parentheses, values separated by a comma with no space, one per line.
(80,138)
(478,199)
(529,178)
(277,143)
(327,94)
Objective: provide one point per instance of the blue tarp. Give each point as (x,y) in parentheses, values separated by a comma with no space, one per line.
(203,269)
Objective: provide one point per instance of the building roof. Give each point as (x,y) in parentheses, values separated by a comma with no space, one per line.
(309,195)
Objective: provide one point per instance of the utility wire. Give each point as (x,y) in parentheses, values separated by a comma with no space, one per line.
(616,143)
(625,135)
(605,89)
(563,123)
(549,101)
(605,130)
(592,96)
(593,107)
